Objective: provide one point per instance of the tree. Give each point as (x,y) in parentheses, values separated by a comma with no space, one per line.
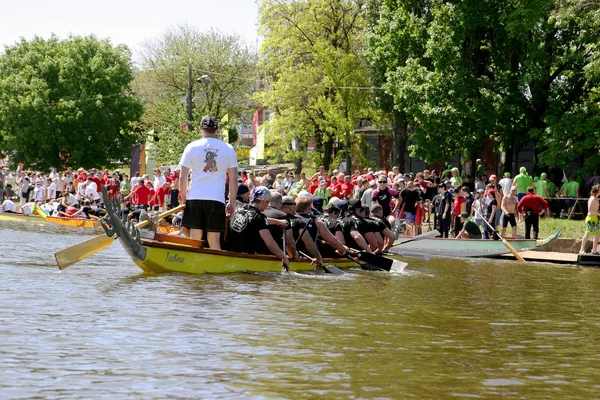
(67,102)
(515,72)
(315,78)
(171,66)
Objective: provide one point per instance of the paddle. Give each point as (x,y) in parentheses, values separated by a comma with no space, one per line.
(508,246)
(330,269)
(378,261)
(284,251)
(422,236)
(73,254)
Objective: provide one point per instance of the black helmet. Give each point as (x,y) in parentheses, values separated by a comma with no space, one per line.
(210,122)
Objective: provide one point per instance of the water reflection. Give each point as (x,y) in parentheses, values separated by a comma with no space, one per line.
(439,329)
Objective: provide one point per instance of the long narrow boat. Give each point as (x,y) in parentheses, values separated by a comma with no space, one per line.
(459,248)
(161,254)
(68,222)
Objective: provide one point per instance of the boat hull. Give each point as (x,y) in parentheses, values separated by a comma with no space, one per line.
(16,217)
(460,248)
(165,257)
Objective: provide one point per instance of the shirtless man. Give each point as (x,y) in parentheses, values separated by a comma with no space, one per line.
(509,211)
(592,224)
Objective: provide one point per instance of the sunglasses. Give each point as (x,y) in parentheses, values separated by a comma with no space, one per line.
(382,182)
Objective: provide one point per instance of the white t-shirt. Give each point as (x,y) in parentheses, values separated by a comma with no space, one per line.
(52,191)
(90,191)
(158,181)
(505,184)
(27,208)
(8,205)
(209,159)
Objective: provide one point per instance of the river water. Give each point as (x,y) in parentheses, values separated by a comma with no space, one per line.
(441,329)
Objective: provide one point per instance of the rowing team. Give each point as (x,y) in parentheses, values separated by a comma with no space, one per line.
(265,223)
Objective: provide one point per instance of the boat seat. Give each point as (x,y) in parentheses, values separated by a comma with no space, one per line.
(161,237)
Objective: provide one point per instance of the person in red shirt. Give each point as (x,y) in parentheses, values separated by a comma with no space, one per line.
(151,194)
(532,206)
(112,188)
(140,194)
(163,195)
(334,188)
(346,188)
(314,185)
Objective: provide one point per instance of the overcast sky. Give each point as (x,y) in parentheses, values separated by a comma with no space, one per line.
(123,21)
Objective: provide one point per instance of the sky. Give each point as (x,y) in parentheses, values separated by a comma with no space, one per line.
(127,22)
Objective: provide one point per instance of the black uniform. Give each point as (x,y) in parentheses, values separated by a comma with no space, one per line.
(298,224)
(277,231)
(244,231)
(354,223)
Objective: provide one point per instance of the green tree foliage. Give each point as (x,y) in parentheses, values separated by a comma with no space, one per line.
(312,61)
(227,68)
(514,71)
(67,97)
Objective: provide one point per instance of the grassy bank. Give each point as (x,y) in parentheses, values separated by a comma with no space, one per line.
(571,229)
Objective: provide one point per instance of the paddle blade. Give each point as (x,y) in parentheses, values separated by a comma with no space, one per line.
(398,266)
(71,255)
(330,269)
(378,261)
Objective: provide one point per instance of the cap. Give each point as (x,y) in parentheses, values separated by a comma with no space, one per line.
(480,191)
(464,215)
(304,193)
(522,170)
(342,204)
(543,175)
(507,174)
(373,182)
(354,204)
(260,193)
(242,189)
(335,201)
(323,182)
(331,208)
(317,201)
(493,177)
(209,122)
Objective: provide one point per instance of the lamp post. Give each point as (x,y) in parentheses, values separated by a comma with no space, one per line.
(205,79)
(190,105)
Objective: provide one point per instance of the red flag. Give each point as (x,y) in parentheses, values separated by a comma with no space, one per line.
(254,127)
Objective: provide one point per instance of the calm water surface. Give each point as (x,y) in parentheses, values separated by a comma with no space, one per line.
(443,329)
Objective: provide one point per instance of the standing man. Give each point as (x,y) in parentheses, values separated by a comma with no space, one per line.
(592,225)
(532,206)
(509,210)
(523,182)
(210,161)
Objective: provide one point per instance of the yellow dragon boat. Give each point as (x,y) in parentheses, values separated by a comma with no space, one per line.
(166,253)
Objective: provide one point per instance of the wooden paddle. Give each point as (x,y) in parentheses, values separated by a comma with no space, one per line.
(73,254)
(508,246)
(378,261)
(330,269)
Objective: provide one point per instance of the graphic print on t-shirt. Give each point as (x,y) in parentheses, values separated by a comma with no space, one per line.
(211,160)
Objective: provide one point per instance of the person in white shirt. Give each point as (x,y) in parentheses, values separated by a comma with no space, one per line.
(51,190)
(60,184)
(39,193)
(91,193)
(81,191)
(53,174)
(505,183)
(27,208)
(210,161)
(159,179)
(9,206)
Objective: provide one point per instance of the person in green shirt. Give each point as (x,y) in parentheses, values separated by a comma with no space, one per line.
(541,189)
(522,182)
(323,192)
(125,186)
(456,180)
(571,190)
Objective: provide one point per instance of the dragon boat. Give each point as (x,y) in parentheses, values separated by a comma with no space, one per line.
(459,248)
(155,252)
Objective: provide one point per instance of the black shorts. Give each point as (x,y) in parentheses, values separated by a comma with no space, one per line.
(510,218)
(207,215)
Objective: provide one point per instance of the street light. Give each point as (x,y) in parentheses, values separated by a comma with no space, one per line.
(205,79)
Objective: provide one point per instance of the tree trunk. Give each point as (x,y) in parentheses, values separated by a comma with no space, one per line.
(400,138)
(298,165)
(327,152)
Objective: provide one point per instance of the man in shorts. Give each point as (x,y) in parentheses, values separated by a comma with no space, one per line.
(210,161)
(509,212)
